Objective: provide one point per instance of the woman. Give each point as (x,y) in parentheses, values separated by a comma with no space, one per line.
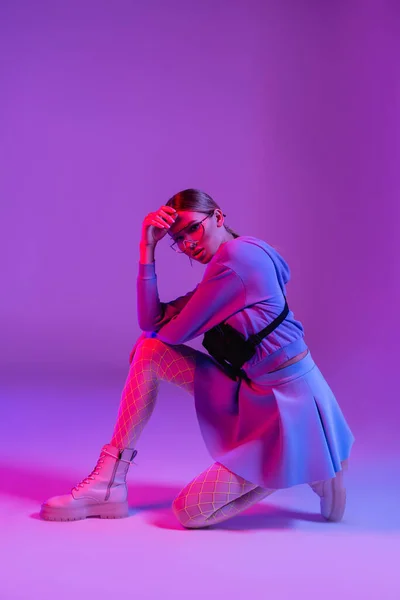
(267,416)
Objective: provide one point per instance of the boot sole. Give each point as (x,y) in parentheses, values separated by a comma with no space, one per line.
(101,511)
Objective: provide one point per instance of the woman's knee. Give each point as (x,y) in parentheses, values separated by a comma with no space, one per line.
(188,516)
(150,342)
(148,348)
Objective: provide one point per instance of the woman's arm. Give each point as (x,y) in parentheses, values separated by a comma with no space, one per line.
(219,295)
(147,252)
(153,314)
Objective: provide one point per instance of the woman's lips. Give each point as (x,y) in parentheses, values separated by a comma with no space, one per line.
(198,253)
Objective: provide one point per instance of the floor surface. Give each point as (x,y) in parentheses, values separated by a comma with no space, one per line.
(282,549)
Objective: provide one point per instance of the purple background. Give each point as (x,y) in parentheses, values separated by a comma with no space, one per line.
(287,113)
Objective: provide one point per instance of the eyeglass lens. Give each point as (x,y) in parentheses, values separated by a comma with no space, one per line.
(195,233)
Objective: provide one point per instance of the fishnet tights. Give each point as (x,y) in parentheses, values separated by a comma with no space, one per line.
(153,361)
(216,494)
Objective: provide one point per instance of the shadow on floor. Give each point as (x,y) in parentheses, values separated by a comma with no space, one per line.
(35,485)
(257,517)
(364,512)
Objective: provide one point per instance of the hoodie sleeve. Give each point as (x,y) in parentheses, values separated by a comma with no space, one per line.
(220,294)
(153,314)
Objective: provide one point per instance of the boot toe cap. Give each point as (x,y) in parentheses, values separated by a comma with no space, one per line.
(59,501)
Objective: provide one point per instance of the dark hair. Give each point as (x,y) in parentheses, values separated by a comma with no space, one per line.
(197,201)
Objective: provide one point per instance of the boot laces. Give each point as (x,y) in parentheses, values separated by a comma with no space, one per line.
(96,470)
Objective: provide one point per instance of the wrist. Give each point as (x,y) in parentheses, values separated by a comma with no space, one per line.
(146,252)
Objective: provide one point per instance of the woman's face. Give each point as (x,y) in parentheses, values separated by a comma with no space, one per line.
(203,234)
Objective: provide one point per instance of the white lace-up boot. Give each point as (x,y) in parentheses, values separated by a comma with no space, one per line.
(102,494)
(333,495)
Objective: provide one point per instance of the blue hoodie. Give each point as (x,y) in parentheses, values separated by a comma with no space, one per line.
(244,285)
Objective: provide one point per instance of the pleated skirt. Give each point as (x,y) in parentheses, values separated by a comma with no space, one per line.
(275,430)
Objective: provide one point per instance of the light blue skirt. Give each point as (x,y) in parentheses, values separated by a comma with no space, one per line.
(275,430)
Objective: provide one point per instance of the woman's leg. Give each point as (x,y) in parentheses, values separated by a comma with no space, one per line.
(153,361)
(104,492)
(215,495)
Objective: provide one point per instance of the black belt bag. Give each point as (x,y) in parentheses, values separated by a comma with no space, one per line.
(229,347)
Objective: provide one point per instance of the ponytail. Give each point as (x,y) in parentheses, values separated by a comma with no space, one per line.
(232,232)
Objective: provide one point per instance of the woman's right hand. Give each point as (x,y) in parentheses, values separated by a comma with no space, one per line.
(156,224)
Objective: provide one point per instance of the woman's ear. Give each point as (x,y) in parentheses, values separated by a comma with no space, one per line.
(219,216)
